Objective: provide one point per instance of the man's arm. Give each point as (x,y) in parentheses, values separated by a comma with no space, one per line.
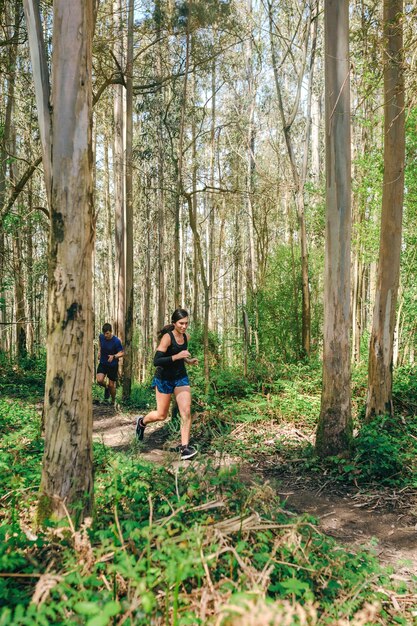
(119,353)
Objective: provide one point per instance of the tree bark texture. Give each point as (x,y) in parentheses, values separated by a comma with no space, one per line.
(379,399)
(334,431)
(42,90)
(119,180)
(67,477)
(128,355)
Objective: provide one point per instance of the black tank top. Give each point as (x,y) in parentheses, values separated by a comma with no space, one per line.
(176,369)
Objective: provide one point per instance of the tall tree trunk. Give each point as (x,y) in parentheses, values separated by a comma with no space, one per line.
(179,167)
(110,310)
(5,149)
(2,295)
(334,430)
(30,278)
(293,270)
(161,300)
(19,298)
(197,242)
(379,399)
(194,209)
(67,476)
(316,117)
(211,247)
(128,355)
(19,284)
(119,187)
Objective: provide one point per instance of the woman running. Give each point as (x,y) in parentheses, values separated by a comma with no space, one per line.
(171,378)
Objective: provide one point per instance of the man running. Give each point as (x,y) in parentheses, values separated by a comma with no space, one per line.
(110,351)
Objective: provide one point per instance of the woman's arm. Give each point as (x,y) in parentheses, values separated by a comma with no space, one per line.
(160,357)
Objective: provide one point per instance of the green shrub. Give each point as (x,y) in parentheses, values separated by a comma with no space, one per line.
(162,536)
(229,383)
(142,397)
(384,451)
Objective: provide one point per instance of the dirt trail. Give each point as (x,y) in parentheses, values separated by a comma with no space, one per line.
(357,524)
(352,520)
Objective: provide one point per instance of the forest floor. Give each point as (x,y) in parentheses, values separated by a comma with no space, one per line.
(380,519)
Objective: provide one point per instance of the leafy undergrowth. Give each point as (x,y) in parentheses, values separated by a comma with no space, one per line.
(175,546)
(23,380)
(278,428)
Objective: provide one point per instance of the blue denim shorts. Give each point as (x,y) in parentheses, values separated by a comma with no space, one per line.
(168,386)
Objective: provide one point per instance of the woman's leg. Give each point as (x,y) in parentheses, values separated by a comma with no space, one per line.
(183,398)
(162,408)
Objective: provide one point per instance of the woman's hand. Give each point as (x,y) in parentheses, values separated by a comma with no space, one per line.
(184,354)
(191,361)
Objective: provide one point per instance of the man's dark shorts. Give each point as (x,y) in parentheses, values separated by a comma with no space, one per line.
(168,386)
(110,372)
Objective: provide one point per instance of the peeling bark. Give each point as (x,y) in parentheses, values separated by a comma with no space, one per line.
(379,398)
(334,431)
(67,473)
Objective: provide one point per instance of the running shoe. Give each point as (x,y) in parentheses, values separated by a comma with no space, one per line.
(187,452)
(140,427)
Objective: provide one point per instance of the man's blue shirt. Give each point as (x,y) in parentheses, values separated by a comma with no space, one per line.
(108,347)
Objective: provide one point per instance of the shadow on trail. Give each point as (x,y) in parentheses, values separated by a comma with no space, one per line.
(157,438)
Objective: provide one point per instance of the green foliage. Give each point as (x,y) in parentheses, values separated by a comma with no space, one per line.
(157,531)
(142,397)
(153,540)
(202,14)
(228,383)
(386,450)
(20,445)
(275,309)
(367,190)
(25,379)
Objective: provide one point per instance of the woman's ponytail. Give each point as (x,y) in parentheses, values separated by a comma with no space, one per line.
(165,330)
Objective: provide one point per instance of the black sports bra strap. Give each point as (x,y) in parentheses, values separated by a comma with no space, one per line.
(181,346)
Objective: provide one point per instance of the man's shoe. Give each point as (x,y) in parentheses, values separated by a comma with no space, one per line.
(187,452)
(140,427)
(107,393)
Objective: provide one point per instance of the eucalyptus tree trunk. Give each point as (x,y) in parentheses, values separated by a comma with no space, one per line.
(5,138)
(67,476)
(161,312)
(30,278)
(119,178)
(2,295)
(379,398)
(211,243)
(194,209)
(197,242)
(293,267)
(128,355)
(179,169)
(316,117)
(109,272)
(252,260)
(334,432)
(19,284)
(19,298)
(177,212)
(193,216)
